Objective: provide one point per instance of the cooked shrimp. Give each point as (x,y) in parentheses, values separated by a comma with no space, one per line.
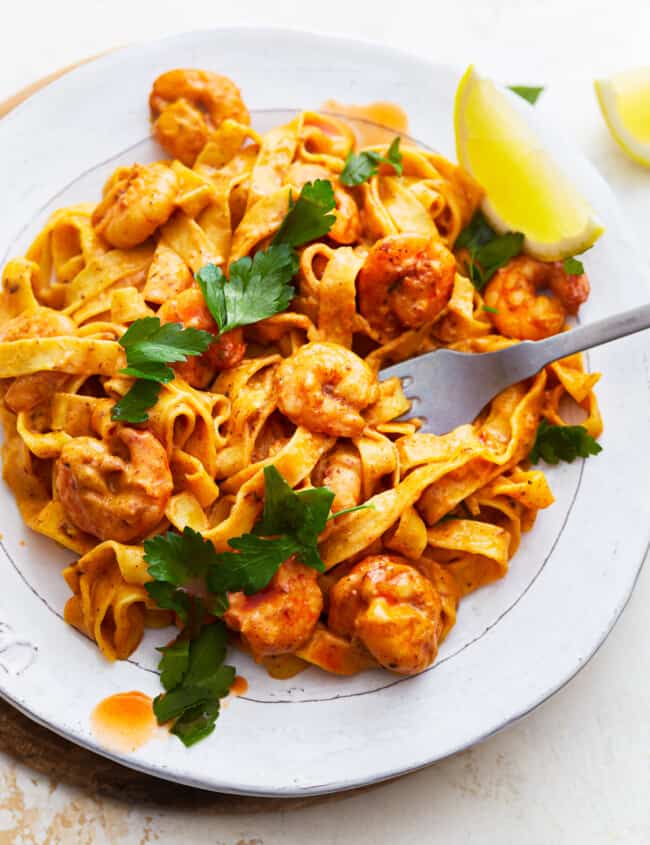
(41,322)
(324,388)
(26,392)
(519,312)
(135,204)
(572,289)
(392,609)
(116,491)
(189,308)
(340,470)
(406,281)
(280,618)
(347,226)
(187,105)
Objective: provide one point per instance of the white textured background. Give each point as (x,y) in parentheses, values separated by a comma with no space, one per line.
(578,769)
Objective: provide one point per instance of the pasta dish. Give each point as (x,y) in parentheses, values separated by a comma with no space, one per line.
(193,401)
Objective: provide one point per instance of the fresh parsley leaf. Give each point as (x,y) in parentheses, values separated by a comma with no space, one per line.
(212,281)
(197,722)
(573,266)
(218,604)
(258,287)
(359,167)
(394,155)
(168,597)
(192,669)
(166,344)
(343,511)
(487,250)
(140,330)
(171,705)
(189,608)
(148,342)
(528,92)
(555,443)
(290,525)
(179,559)
(303,513)
(476,234)
(152,371)
(149,348)
(252,566)
(497,253)
(309,217)
(173,663)
(135,403)
(490,309)
(195,677)
(207,653)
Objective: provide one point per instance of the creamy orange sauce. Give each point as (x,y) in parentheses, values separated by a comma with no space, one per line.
(239,686)
(389,115)
(125,721)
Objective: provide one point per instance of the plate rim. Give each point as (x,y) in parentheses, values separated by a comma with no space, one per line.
(390,773)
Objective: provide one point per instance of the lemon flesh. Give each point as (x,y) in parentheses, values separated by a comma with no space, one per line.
(526,191)
(625,103)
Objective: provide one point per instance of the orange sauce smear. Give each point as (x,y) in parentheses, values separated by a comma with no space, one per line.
(389,115)
(239,686)
(125,721)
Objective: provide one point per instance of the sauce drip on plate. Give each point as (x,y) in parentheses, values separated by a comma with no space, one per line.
(389,115)
(239,686)
(125,721)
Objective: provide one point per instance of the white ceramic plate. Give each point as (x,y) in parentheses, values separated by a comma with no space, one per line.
(516,642)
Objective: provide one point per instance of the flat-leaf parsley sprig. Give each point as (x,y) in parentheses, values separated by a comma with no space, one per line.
(193,580)
(359,167)
(530,93)
(555,443)
(310,216)
(573,266)
(487,250)
(260,287)
(195,677)
(149,348)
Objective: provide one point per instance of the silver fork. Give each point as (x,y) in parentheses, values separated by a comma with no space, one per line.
(450,388)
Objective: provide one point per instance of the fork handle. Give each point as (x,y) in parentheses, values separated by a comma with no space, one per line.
(594,334)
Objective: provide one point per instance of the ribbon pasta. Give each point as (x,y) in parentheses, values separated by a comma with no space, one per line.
(445,513)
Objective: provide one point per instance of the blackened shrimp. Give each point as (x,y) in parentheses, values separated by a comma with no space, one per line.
(405,282)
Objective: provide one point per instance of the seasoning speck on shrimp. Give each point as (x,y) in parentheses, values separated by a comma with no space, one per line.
(324,387)
(392,609)
(405,282)
(136,203)
(187,105)
(519,312)
(117,491)
(281,617)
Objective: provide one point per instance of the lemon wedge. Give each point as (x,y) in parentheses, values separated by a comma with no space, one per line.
(526,191)
(625,103)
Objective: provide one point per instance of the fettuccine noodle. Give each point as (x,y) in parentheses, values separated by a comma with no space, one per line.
(300,390)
